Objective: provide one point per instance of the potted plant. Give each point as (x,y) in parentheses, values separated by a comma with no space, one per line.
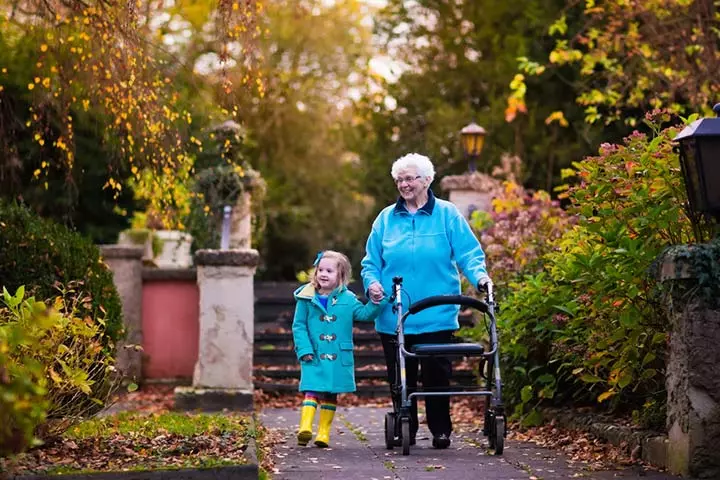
(225,179)
(161,226)
(140,234)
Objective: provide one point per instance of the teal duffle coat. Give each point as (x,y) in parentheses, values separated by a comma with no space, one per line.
(327,335)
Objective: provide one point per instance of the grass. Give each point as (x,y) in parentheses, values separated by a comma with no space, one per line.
(128,423)
(359,434)
(130,441)
(197,463)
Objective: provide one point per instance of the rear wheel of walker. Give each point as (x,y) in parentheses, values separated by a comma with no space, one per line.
(390,430)
(499,435)
(405,433)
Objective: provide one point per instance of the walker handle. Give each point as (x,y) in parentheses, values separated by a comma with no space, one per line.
(448,300)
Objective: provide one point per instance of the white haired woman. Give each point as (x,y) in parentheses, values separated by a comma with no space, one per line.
(424,240)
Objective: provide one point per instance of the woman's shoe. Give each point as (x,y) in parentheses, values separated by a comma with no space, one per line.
(441,441)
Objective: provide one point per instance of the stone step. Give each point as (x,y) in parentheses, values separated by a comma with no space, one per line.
(286,356)
(461,376)
(363,390)
(286,338)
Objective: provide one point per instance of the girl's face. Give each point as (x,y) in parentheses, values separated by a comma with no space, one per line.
(410,185)
(327,274)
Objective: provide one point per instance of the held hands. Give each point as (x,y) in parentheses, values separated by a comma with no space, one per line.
(376,292)
(307,357)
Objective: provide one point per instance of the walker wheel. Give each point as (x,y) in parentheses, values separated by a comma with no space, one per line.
(390,430)
(405,426)
(489,427)
(499,435)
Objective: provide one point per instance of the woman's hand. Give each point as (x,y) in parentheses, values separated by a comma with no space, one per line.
(484,283)
(376,292)
(307,358)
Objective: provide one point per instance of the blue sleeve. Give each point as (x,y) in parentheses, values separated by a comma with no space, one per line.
(372,262)
(466,249)
(301,335)
(369,311)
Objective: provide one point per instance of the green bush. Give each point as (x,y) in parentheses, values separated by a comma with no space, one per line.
(517,236)
(589,327)
(57,370)
(23,402)
(39,253)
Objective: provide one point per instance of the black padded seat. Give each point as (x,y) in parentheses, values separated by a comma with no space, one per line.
(460,349)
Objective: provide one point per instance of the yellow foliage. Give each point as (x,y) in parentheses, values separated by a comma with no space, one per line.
(118,74)
(605,395)
(557,116)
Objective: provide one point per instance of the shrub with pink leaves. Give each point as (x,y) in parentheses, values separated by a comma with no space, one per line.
(519,230)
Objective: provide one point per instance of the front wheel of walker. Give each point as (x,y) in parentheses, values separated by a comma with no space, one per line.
(390,420)
(405,434)
(497,435)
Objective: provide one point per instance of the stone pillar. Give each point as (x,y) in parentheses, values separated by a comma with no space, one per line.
(470,191)
(693,365)
(223,372)
(126,264)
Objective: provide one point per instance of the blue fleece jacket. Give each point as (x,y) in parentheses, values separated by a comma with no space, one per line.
(425,249)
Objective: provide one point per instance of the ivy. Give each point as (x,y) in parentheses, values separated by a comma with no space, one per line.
(702,264)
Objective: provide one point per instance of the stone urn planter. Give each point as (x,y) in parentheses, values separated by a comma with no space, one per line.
(175,251)
(139,237)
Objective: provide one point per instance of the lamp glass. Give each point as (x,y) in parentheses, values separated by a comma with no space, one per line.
(692,179)
(473,143)
(709,150)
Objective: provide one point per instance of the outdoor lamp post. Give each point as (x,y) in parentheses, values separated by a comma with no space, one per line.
(473,138)
(699,150)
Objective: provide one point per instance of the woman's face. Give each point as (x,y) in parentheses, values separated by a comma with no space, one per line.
(410,184)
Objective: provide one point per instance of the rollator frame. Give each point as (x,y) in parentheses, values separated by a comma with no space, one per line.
(397,422)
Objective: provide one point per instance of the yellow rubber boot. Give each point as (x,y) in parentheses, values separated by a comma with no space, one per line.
(327,413)
(307,416)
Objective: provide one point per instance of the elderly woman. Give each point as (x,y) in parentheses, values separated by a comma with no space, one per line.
(424,240)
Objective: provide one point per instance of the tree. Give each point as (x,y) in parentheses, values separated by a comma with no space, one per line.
(459,60)
(314,55)
(101,214)
(101,67)
(635,56)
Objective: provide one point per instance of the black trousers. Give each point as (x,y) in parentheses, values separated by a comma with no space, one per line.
(435,372)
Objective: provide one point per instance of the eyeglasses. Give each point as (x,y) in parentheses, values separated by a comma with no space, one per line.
(400,180)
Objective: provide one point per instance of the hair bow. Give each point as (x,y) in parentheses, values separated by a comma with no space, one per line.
(317,259)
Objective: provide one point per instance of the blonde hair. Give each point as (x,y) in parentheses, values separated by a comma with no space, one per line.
(343,267)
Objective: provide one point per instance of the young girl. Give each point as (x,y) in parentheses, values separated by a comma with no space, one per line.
(322,332)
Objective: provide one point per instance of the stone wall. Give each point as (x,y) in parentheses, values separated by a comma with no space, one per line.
(693,367)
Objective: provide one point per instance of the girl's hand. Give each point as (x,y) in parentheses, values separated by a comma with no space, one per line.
(307,358)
